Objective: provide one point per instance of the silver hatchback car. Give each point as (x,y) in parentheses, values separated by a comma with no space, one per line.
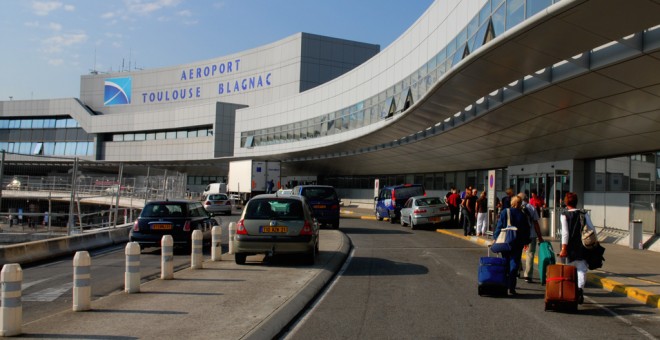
(274,224)
(420,210)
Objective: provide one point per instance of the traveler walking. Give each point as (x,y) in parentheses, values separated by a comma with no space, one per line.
(469,205)
(534,234)
(506,200)
(571,239)
(517,219)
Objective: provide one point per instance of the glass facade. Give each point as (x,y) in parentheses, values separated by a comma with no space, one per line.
(60,136)
(160,135)
(493,19)
(638,175)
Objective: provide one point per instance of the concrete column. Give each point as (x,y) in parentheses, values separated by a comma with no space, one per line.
(82,285)
(167,257)
(232,234)
(132,274)
(11,279)
(216,241)
(196,257)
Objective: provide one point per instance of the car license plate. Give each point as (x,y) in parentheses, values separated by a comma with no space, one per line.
(320,206)
(434,219)
(161,226)
(275,229)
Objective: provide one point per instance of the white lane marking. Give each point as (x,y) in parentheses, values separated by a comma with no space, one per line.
(27,285)
(302,320)
(622,319)
(49,294)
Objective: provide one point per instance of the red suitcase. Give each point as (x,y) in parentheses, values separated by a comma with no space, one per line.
(561,289)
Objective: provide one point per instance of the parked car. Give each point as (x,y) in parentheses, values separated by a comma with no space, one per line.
(284,192)
(423,210)
(391,199)
(176,218)
(15,184)
(323,200)
(272,224)
(218,203)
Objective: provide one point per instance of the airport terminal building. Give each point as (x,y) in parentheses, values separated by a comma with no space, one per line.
(542,95)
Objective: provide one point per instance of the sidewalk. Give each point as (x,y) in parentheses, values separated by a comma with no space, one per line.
(221,301)
(630,272)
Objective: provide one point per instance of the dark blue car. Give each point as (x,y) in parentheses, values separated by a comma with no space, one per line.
(391,199)
(323,200)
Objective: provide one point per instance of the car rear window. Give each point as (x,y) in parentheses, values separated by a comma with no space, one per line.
(428,201)
(274,208)
(320,193)
(163,210)
(218,197)
(407,192)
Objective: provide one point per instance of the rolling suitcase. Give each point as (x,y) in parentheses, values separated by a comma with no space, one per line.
(492,275)
(546,258)
(561,289)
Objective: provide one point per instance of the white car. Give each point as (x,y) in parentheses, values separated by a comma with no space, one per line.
(15,184)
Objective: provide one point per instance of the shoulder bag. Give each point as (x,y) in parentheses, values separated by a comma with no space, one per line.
(507,236)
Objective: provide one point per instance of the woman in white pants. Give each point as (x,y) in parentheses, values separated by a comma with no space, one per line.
(571,239)
(482,214)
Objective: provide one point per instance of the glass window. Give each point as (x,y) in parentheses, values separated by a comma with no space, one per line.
(140,136)
(473,26)
(37,123)
(642,172)
(59,148)
(71,123)
(641,208)
(618,173)
(26,124)
(4,146)
(24,148)
(535,6)
(129,137)
(90,148)
(498,20)
(170,135)
(60,123)
(150,136)
(49,149)
(14,124)
(594,171)
(181,134)
(484,13)
(81,149)
(70,148)
(37,148)
(515,13)
(4,124)
(160,135)
(480,37)
(118,138)
(49,123)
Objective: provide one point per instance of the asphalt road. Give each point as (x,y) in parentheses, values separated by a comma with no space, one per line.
(47,287)
(403,284)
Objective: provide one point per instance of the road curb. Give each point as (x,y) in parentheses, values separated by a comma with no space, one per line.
(640,295)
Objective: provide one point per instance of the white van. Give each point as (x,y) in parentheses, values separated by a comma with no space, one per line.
(215,188)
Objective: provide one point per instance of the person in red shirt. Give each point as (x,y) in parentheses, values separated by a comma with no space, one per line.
(537,202)
(454,202)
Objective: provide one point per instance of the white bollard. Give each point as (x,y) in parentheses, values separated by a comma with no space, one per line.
(167,257)
(132,274)
(82,282)
(11,279)
(196,256)
(232,234)
(216,241)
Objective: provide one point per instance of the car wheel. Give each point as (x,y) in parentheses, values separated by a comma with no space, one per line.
(378,217)
(240,258)
(412,225)
(391,219)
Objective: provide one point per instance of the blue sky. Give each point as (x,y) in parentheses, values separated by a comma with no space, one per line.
(47,45)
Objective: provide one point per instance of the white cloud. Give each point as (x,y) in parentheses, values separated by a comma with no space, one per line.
(55,62)
(56,43)
(44,8)
(108,15)
(219,5)
(31,24)
(55,26)
(147,7)
(184,13)
(114,35)
(69,8)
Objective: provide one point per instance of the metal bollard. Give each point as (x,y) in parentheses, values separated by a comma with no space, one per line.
(11,320)
(82,285)
(132,275)
(216,241)
(232,234)
(196,257)
(167,257)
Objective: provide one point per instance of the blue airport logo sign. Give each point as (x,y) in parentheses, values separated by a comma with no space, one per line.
(117,91)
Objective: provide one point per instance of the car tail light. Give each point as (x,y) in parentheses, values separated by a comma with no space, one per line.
(240,228)
(307,229)
(419,211)
(334,206)
(136,226)
(393,198)
(207,203)
(186,226)
(228,203)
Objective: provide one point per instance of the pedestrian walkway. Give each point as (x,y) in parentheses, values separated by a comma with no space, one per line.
(221,301)
(631,272)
